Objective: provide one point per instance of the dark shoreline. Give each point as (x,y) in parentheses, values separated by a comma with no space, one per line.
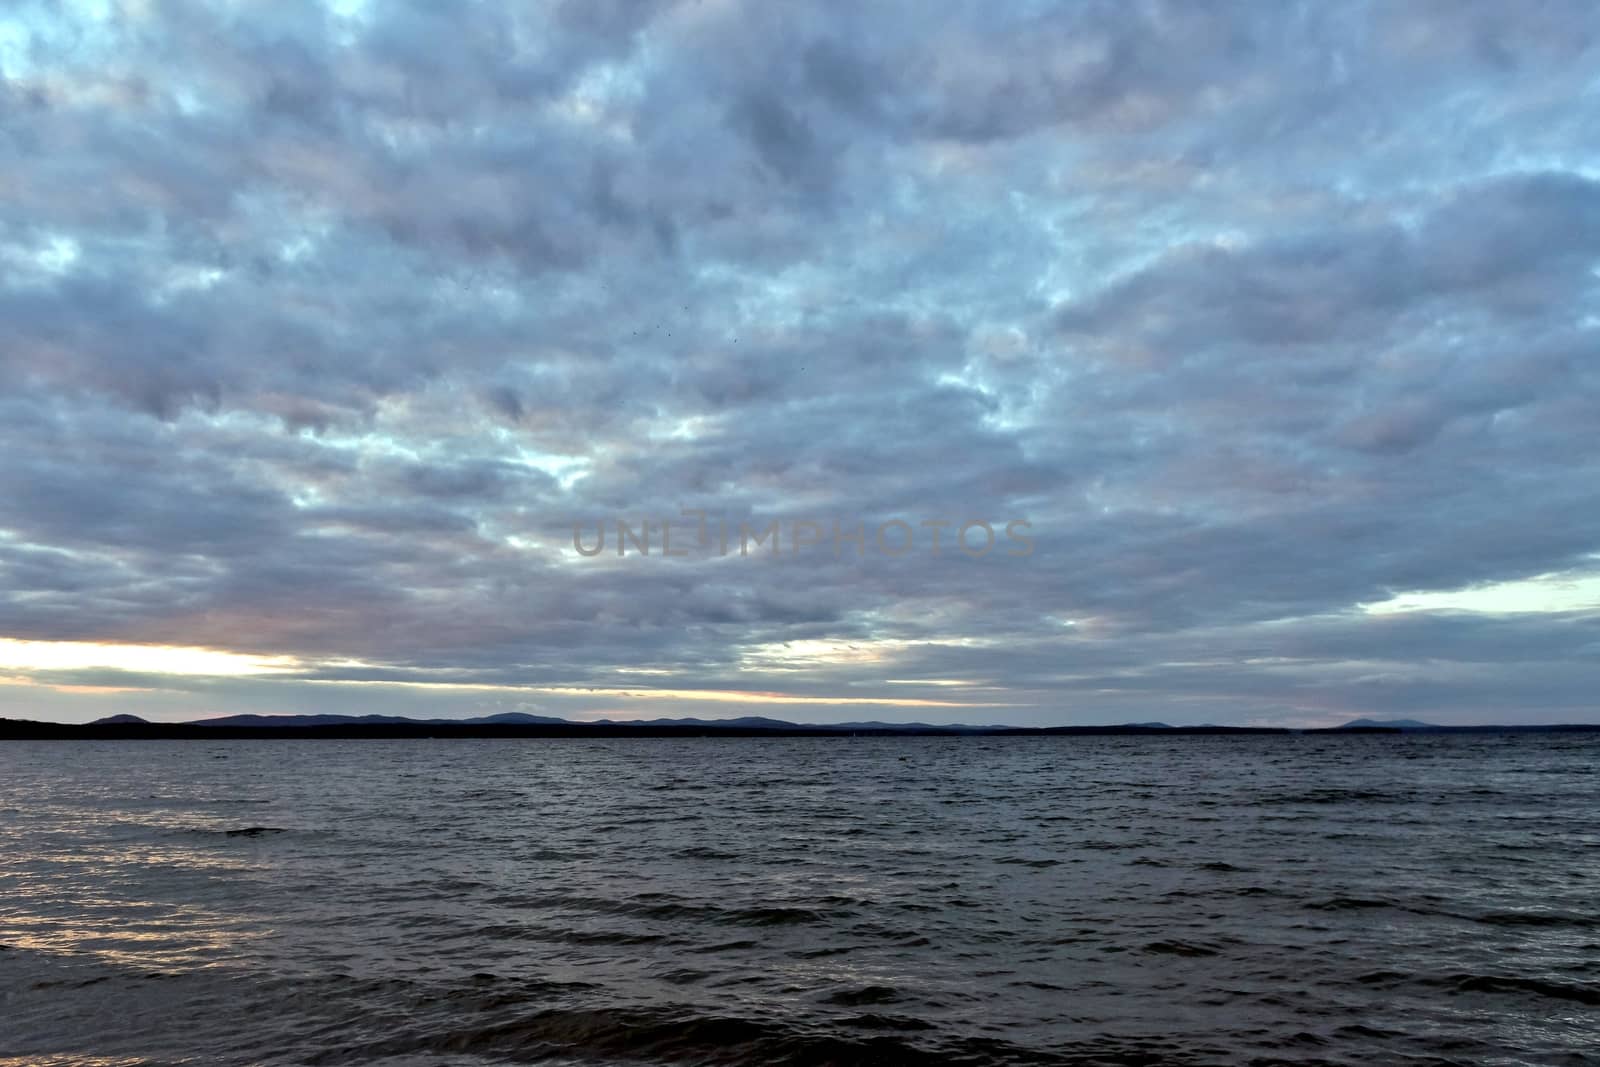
(26,730)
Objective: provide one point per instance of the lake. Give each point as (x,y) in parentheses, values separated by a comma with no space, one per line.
(1307,899)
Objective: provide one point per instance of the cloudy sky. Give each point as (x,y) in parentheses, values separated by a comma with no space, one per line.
(321,326)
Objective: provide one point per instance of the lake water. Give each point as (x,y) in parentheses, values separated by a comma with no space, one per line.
(1078,900)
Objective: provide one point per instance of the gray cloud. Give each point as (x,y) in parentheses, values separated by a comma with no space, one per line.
(320,330)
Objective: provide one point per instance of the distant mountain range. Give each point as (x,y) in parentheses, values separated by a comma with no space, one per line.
(517,718)
(1414,726)
(519,724)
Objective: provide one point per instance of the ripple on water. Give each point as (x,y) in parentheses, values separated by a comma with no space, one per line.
(800,901)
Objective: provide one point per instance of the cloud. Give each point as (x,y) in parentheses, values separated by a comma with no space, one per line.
(320,327)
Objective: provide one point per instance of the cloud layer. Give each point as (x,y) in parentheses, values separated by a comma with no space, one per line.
(321,325)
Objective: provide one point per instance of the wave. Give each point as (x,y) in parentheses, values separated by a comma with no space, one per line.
(1575,992)
(681,1035)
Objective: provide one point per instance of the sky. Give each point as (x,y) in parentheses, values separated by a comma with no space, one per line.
(322,326)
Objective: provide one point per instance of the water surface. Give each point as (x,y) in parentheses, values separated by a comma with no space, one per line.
(1078,900)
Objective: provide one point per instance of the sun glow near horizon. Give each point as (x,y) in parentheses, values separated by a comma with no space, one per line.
(25,656)
(33,663)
